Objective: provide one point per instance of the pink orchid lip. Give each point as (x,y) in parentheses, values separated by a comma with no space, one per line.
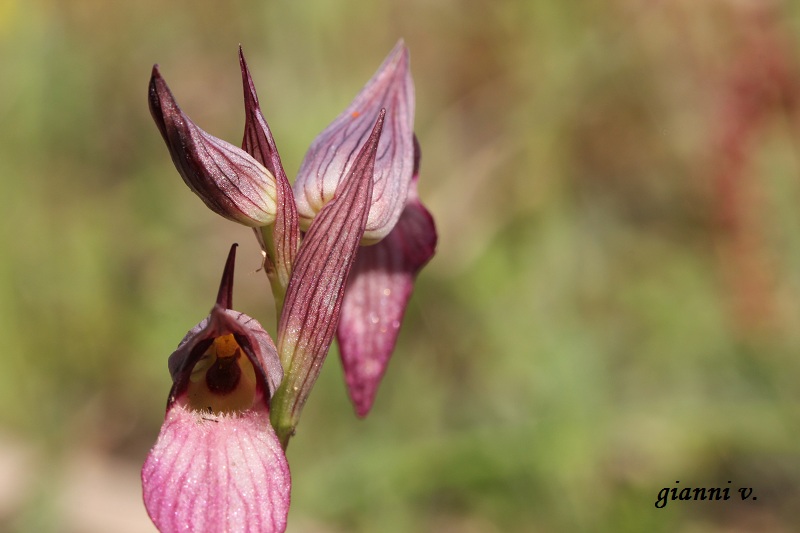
(228,180)
(333,151)
(220,470)
(217,473)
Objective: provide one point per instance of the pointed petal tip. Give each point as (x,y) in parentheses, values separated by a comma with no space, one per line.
(225,294)
(375,302)
(250,96)
(230,182)
(362,394)
(400,58)
(380,121)
(160,100)
(370,147)
(400,49)
(362,410)
(359,369)
(157,83)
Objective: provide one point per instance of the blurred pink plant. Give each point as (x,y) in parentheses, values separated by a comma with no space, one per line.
(758,84)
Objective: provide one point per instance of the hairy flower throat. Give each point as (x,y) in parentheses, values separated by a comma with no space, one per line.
(223,380)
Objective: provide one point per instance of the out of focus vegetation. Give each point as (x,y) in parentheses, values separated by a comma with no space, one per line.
(615,304)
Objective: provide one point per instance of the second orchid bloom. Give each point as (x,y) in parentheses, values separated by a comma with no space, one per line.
(342,249)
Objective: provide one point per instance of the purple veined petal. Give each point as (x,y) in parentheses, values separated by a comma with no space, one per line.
(253,339)
(217,473)
(314,295)
(376,297)
(250,336)
(225,291)
(333,152)
(259,143)
(228,180)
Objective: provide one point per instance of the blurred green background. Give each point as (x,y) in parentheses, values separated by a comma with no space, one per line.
(614,306)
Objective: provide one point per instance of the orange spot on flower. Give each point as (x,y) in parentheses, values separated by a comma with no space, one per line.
(355,114)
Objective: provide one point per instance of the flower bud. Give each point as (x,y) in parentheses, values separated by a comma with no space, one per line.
(228,180)
(334,151)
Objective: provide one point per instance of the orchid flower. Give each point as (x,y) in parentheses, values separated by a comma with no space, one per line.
(366,237)
(217,464)
(400,236)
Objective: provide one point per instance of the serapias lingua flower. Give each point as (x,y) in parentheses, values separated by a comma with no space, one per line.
(218,465)
(400,235)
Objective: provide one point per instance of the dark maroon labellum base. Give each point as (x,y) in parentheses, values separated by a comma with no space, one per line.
(223,376)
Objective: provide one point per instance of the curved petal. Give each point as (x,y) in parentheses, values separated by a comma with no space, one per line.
(217,473)
(333,152)
(228,180)
(375,301)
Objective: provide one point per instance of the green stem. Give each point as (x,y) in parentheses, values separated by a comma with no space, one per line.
(282,402)
(277,284)
(281,414)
